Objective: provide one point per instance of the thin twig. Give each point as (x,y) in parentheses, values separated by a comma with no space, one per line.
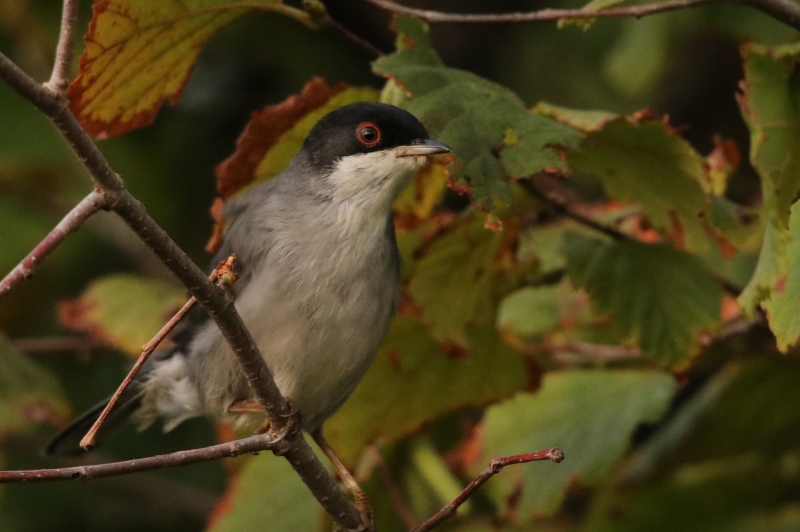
(88,206)
(253,444)
(223,270)
(59,79)
(494,467)
(785,11)
(432,17)
(217,302)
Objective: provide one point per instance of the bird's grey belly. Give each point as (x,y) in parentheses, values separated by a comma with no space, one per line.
(318,348)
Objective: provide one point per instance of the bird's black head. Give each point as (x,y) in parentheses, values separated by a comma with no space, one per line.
(366,127)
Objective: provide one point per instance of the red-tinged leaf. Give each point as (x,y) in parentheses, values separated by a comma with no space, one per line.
(141,52)
(126,311)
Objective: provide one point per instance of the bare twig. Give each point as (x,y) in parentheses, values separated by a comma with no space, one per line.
(217,302)
(433,17)
(59,79)
(253,444)
(785,11)
(494,467)
(222,271)
(90,205)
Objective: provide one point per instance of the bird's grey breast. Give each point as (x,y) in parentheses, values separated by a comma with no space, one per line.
(318,304)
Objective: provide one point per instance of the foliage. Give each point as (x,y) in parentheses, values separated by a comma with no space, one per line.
(570,277)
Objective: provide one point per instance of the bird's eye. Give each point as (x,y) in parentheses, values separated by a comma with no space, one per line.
(368,134)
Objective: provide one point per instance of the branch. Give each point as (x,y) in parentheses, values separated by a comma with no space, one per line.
(253,444)
(785,11)
(217,302)
(494,467)
(433,17)
(59,79)
(90,205)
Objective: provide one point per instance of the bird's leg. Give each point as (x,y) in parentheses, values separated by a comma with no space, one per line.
(361,500)
(249,406)
(245,406)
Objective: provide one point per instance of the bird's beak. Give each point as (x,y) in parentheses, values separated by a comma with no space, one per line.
(423,147)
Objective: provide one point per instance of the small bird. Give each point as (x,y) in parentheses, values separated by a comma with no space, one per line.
(319,281)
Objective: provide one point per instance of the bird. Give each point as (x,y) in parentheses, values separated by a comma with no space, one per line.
(319,282)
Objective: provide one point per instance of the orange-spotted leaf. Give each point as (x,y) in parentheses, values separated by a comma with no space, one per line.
(126,311)
(141,52)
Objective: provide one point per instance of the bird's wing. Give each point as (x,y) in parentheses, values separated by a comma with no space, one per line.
(245,235)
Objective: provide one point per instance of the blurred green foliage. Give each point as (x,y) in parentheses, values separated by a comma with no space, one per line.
(694,434)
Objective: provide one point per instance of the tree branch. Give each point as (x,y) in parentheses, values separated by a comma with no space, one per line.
(785,11)
(88,206)
(216,301)
(494,467)
(59,79)
(253,444)
(433,17)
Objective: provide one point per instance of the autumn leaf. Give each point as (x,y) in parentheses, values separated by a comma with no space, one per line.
(126,311)
(141,52)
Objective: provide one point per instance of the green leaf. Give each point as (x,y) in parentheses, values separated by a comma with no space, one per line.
(530,312)
(734,469)
(412,382)
(658,296)
(267,490)
(590,415)
(647,164)
(28,392)
(464,257)
(124,310)
(472,115)
(784,305)
(770,103)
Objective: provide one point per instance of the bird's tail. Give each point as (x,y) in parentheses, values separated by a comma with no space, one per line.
(67,441)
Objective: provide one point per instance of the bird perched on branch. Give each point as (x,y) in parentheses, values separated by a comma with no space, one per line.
(319,268)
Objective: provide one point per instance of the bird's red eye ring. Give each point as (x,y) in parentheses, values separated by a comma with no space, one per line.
(368,134)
